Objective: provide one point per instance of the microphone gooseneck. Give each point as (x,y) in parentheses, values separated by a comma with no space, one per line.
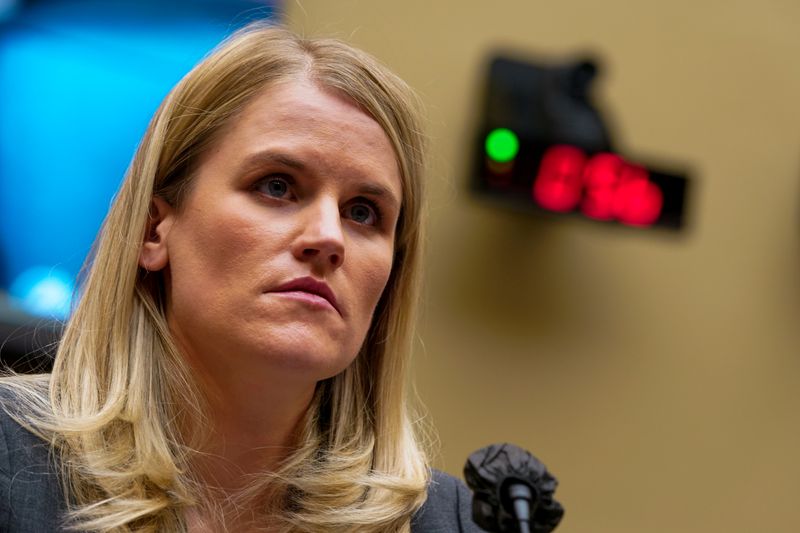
(521,496)
(513,491)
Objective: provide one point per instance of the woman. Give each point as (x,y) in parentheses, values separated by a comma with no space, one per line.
(238,358)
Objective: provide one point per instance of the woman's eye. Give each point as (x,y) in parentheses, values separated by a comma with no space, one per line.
(275,187)
(363,214)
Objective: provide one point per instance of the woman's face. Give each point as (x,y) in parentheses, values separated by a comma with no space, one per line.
(281,250)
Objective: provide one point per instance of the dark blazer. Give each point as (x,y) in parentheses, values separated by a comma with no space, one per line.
(31,499)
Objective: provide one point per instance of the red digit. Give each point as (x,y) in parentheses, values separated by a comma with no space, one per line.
(558,185)
(638,201)
(600,178)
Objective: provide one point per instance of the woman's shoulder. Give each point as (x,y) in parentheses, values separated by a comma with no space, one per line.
(448,508)
(30,493)
(15,437)
(16,393)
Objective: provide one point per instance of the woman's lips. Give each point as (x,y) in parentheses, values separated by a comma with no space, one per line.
(309,290)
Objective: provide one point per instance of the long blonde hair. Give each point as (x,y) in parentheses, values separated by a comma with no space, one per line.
(119,386)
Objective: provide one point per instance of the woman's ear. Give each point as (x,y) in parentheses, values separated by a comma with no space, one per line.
(154,255)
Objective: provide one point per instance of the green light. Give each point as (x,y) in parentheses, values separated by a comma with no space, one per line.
(502,145)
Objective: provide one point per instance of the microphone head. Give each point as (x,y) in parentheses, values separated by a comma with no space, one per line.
(492,470)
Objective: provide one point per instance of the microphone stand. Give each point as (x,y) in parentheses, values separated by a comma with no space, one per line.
(513,491)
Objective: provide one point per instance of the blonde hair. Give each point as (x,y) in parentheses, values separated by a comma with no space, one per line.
(119,388)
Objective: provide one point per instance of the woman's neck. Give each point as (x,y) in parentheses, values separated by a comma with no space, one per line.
(252,428)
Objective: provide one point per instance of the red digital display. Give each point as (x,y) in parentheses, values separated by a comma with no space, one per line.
(542,146)
(604,186)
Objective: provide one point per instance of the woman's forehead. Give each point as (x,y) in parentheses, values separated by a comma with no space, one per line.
(305,127)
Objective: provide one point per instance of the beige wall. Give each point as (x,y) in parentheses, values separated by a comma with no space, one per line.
(657,375)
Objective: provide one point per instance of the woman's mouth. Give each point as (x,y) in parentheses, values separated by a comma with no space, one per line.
(309,290)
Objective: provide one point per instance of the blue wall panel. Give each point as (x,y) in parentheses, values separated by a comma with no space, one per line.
(78,84)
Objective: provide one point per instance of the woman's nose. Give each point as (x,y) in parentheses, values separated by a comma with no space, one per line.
(321,237)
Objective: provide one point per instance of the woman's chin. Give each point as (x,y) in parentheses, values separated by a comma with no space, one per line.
(312,361)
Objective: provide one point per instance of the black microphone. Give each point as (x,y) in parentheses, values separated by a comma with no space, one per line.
(513,491)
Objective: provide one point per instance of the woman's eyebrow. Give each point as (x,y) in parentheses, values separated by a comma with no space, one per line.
(259,159)
(377,190)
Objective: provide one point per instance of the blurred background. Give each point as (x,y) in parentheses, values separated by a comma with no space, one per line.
(79,81)
(656,372)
